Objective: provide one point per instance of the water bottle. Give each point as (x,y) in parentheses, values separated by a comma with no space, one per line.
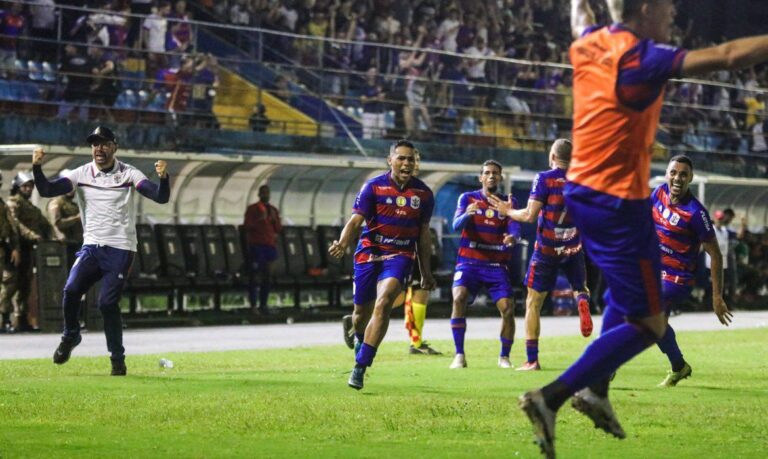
(165,363)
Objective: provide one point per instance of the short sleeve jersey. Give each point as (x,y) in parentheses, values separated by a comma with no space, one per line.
(482,238)
(556,235)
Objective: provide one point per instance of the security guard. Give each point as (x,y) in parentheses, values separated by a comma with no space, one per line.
(10,256)
(64,215)
(33,227)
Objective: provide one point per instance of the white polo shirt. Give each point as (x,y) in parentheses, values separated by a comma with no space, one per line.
(106,201)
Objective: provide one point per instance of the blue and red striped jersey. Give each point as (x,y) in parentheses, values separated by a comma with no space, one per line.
(482,235)
(681,228)
(393,217)
(556,235)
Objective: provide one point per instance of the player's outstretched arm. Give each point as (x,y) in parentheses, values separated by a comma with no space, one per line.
(47,189)
(718,303)
(160,194)
(731,55)
(582,16)
(352,228)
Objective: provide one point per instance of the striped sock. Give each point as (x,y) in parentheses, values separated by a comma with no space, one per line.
(506,346)
(459,328)
(532,349)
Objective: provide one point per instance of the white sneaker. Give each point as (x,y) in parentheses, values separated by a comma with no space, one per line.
(458,362)
(599,410)
(505,363)
(542,419)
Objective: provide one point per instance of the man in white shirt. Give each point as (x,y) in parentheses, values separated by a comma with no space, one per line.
(105,191)
(721,232)
(156,27)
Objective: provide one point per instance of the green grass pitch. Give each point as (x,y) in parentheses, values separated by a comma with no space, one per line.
(296,403)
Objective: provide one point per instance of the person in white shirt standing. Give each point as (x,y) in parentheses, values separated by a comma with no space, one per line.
(105,191)
(721,232)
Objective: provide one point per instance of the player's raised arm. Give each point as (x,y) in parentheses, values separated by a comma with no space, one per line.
(582,16)
(47,189)
(162,193)
(731,55)
(718,303)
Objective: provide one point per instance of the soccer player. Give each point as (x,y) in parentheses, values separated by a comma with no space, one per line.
(396,208)
(486,236)
(414,300)
(619,76)
(683,226)
(558,246)
(106,191)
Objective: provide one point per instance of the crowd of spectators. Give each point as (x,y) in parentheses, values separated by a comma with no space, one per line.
(104,57)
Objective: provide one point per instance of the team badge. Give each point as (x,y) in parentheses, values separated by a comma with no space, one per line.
(665,214)
(489,213)
(117,178)
(674,219)
(415,202)
(401,201)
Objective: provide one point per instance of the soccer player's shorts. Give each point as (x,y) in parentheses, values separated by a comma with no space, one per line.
(620,238)
(368,275)
(542,272)
(495,279)
(260,255)
(673,294)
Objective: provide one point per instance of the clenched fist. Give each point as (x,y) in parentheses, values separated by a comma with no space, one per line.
(160,167)
(37,156)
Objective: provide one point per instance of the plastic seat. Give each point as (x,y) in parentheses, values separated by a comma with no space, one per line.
(35,70)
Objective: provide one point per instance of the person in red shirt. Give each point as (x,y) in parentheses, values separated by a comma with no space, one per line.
(262,225)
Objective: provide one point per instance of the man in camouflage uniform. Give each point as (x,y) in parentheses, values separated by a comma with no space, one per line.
(64,215)
(10,256)
(33,227)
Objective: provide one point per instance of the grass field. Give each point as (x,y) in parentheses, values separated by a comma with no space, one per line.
(295,403)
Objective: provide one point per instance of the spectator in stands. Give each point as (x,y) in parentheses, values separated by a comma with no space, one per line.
(413,64)
(105,85)
(259,121)
(449,29)
(155,29)
(180,36)
(262,226)
(43,30)
(205,82)
(374,110)
(77,68)
(143,8)
(476,70)
(759,144)
(12,26)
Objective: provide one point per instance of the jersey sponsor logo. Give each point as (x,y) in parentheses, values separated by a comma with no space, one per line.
(401,201)
(705,219)
(415,202)
(565,234)
(117,178)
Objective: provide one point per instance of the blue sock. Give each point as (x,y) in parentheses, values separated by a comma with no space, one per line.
(668,345)
(359,337)
(459,328)
(365,357)
(506,346)
(606,354)
(532,350)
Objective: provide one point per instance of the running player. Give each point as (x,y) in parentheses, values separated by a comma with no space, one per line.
(106,190)
(619,76)
(683,226)
(486,236)
(558,246)
(396,208)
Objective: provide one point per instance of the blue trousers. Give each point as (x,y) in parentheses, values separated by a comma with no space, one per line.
(95,263)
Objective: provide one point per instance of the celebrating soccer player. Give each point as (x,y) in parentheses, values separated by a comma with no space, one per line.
(106,190)
(558,246)
(396,208)
(486,236)
(618,84)
(683,226)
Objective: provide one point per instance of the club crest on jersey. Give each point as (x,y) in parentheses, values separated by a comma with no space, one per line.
(489,213)
(415,202)
(401,201)
(674,219)
(117,178)
(665,214)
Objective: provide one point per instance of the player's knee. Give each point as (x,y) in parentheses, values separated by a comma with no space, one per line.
(109,308)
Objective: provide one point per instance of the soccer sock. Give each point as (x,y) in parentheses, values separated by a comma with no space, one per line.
(506,346)
(532,350)
(71,313)
(419,315)
(366,355)
(601,358)
(668,345)
(459,328)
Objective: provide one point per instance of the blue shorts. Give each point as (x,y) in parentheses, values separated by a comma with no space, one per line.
(93,263)
(542,272)
(620,238)
(368,275)
(261,255)
(673,294)
(495,279)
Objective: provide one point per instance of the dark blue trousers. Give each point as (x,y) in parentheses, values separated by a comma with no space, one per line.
(96,263)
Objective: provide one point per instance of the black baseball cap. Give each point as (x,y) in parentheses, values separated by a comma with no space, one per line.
(101,133)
